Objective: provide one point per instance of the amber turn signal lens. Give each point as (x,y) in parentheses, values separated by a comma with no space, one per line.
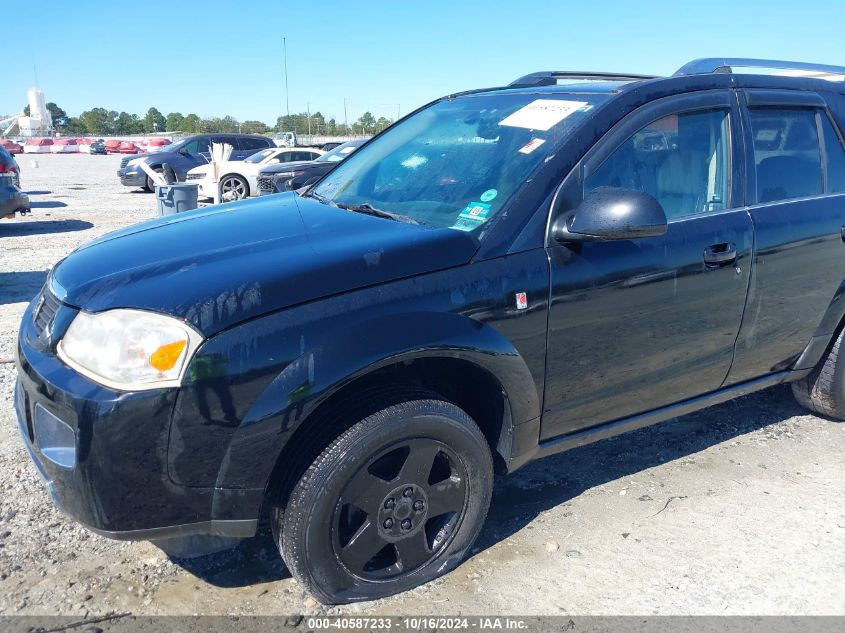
(165,357)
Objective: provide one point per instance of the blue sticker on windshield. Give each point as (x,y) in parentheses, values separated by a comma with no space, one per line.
(488,195)
(473,215)
(476,212)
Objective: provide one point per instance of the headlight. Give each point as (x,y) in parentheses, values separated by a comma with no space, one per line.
(129,350)
(288,174)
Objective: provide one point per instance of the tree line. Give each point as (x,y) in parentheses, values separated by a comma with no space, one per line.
(102,122)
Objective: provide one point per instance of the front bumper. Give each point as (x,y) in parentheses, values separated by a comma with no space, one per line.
(132,177)
(108,468)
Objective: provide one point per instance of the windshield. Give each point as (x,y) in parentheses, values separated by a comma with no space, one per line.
(174,147)
(259,156)
(340,152)
(456,163)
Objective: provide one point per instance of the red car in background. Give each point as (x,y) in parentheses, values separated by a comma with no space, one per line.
(11,147)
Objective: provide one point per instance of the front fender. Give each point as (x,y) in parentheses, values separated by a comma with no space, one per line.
(352,352)
(249,387)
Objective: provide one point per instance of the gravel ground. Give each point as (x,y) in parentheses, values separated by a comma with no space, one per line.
(738,509)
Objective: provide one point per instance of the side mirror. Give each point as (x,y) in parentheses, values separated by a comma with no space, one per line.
(611,213)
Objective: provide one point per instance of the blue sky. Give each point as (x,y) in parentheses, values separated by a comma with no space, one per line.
(215,58)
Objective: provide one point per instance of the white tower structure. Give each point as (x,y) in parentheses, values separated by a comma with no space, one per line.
(39,122)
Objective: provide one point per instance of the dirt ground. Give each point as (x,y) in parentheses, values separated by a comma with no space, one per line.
(738,509)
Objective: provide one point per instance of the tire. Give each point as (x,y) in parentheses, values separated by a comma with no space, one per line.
(149,185)
(823,389)
(235,186)
(392,503)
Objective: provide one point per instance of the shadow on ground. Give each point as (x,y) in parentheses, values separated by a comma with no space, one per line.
(38,192)
(254,561)
(553,481)
(21,286)
(48,204)
(550,482)
(41,227)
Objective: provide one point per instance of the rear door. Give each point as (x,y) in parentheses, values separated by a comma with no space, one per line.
(638,324)
(247,146)
(797,186)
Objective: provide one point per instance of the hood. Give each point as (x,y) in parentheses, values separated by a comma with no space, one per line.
(278,168)
(217,267)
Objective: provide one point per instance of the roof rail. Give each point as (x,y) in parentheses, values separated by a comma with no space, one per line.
(550,77)
(727,64)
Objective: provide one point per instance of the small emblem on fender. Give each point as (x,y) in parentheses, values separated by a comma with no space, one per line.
(521,300)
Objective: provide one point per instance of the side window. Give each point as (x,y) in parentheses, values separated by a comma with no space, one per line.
(198,146)
(786,152)
(682,160)
(252,143)
(835,156)
(304,156)
(229,140)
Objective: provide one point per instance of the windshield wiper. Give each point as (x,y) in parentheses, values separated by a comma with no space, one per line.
(369,209)
(319,198)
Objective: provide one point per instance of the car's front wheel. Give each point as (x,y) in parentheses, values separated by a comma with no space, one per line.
(233,187)
(392,503)
(149,183)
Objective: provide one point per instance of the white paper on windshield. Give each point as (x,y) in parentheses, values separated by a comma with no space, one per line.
(542,114)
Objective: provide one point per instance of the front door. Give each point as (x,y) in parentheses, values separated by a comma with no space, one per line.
(638,324)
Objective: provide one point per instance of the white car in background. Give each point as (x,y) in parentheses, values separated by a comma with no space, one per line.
(239,179)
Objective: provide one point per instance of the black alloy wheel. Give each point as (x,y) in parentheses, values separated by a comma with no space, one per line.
(395,501)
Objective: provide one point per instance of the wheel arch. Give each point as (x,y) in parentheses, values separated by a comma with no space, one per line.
(828,330)
(328,388)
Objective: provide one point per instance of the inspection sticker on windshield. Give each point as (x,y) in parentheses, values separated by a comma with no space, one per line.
(542,114)
(472,215)
(475,211)
(531,145)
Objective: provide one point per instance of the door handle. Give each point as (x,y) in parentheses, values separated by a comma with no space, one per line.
(717,255)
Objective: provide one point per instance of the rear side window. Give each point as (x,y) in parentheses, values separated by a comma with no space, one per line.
(835,154)
(787,153)
(252,143)
(682,160)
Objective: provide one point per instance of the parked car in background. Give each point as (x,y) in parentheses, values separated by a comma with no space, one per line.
(186,154)
(97,147)
(12,199)
(11,147)
(9,166)
(239,179)
(291,176)
(112,146)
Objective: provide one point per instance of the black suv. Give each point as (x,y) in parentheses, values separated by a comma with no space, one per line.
(504,274)
(185,154)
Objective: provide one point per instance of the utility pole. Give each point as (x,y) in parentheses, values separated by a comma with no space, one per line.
(345,118)
(287,94)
